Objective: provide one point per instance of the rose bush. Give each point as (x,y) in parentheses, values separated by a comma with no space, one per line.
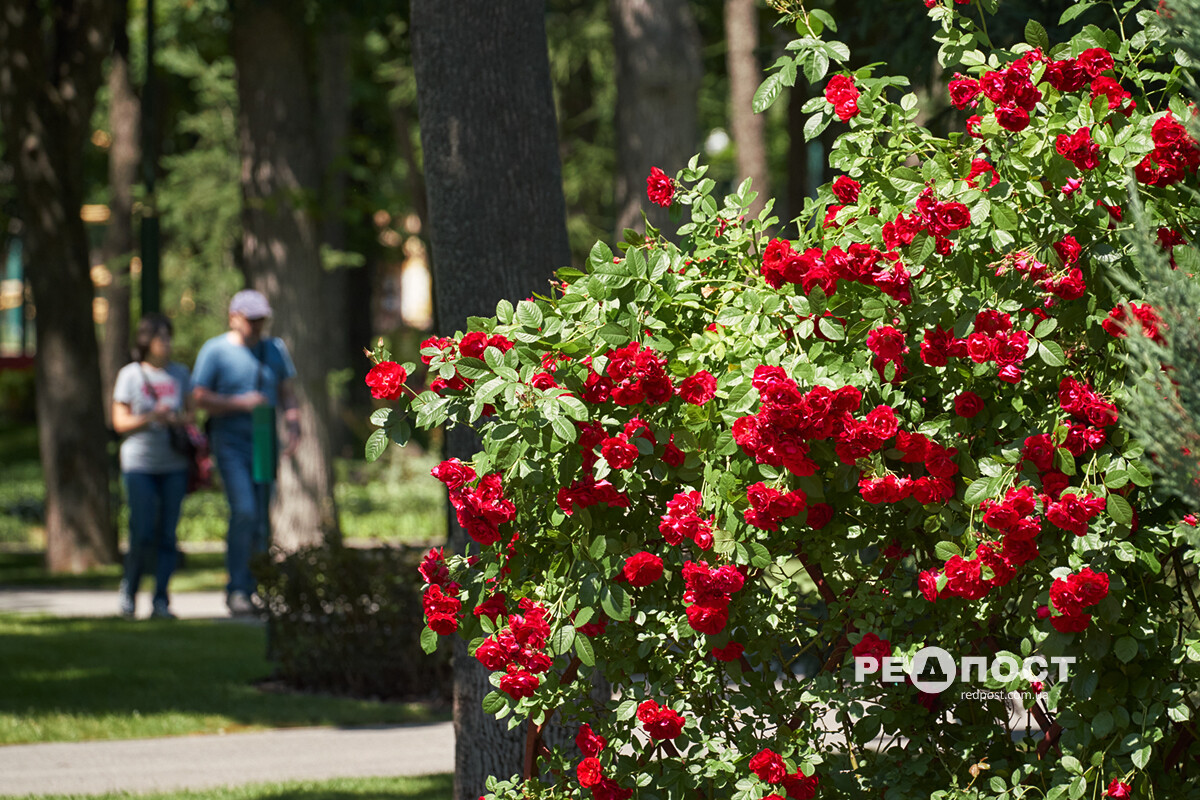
(718,473)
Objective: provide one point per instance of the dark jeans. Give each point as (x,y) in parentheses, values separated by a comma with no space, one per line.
(249,503)
(155,499)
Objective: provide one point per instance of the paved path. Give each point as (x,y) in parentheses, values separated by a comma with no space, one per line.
(197,762)
(97,603)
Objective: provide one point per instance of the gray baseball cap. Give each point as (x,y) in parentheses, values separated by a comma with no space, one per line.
(250,304)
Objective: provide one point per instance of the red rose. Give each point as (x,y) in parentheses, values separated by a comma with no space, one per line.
(730,652)
(589,772)
(819,515)
(659,721)
(799,786)
(872,649)
(659,187)
(473,344)
(927,583)
(846,189)
(1071,623)
(704,619)
(843,95)
(1095,60)
(619,453)
(968,405)
(1118,790)
(1012,118)
(588,742)
(386,380)
(1078,148)
(518,683)
(698,389)
(963,92)
(768,766)
(642,569)
(453,473)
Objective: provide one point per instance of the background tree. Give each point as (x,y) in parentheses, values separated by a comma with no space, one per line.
(498,230)
(747,127)
(124,156)
(281,243)
(658,76)
(51,59)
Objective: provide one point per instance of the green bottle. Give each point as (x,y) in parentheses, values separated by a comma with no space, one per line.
(265,442)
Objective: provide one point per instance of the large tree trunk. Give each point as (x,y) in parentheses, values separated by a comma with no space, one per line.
(498,230)
(658,80)
(333,115)
(49,74)
(124,155)
(281,244)
(741,36)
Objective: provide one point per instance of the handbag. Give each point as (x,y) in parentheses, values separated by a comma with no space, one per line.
(192,444)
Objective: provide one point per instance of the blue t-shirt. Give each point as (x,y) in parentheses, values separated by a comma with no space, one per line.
(229,368)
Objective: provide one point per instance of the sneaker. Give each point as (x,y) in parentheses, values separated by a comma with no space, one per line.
(162,611)
(240,605)
(126,607)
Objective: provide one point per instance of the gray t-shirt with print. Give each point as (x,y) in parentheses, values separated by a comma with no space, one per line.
(142,387)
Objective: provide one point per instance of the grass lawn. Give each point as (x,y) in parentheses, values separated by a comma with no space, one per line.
(426,787)
(394,499)
(201,572)
(77,679)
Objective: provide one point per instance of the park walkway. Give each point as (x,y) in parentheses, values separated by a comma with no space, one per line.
(199,762)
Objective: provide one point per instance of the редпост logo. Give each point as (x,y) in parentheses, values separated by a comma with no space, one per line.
(933,669)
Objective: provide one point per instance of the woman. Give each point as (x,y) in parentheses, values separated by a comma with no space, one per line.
(150,395)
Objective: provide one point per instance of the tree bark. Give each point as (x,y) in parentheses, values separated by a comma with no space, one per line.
(281,245)
(124,156)
(657,46)
(498,230)
(747,127)
(49,73)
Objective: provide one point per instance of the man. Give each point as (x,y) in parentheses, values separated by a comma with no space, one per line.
(238,377)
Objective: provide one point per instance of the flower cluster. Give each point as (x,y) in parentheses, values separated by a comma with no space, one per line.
(1175,154)
(481,509)
(519,650)
(992,339)
(770,768)
(1072,594)
(843,95)
(590,771)
(708,591)
(638,375)
(658,721)
(1147,319)
(860,263)
(683,521)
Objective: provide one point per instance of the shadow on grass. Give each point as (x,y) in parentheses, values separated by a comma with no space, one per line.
(76,679)
(27,569)
(428,787)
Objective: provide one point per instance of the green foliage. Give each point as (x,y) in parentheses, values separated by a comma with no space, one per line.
(426,787)
(347,621)
(811,348)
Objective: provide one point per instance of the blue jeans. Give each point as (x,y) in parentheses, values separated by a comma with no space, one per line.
(249,504)
(155,499)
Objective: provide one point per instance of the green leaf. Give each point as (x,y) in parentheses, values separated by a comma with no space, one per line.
(981,490)
(562,640)
(472,368)
(381,416)
(946,550)
(767,93)
(563,428)
(616,603)
(1071,764)
(493,702)
(600,254)
(1004,217)
(573,407)
(1036,35)
(529,315)
(429,640)
(1141,757)
(1078,788)
(1102,724)
(1074,11)
(816,124)
(1126,649)
(377,442)
(1052,353)
(1119,509)
(583,649)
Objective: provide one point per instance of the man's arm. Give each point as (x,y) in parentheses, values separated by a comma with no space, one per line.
(221,404)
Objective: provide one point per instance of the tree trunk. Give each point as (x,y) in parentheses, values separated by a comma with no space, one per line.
(124,156)
(281,245)
(498,230)
(741,36)
(657,45)
(48,84)
(333,115)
